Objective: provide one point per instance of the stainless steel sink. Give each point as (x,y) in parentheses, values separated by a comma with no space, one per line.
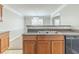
(47,32)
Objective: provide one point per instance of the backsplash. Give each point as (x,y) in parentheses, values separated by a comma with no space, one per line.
(35,29)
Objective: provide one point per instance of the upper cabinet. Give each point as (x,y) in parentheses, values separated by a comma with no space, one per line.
(1,7)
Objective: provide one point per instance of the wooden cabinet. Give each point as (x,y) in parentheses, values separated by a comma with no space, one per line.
(57,47)
(4,41)
(30,38)
(29,47)
(43,47)
(29,43)
(44,37)
(43,44)
(1,7)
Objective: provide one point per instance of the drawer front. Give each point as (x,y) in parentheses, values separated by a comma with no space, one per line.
(58,37)
(27,37)
(6,34)
(44,37)
(51,37)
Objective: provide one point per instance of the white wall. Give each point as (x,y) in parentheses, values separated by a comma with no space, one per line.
(70,16)
(12,22)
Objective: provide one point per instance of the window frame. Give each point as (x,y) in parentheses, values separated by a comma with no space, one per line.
(37,20)
(56,18)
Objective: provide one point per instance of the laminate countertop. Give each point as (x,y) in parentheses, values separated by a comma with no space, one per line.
(57,33)
(3,32)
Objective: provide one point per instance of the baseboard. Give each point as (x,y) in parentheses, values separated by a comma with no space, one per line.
(14,49)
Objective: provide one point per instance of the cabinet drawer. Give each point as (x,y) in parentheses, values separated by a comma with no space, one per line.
(27,37)
(51,37)
(5,34)
(43,37)
(58,37)
(1,6)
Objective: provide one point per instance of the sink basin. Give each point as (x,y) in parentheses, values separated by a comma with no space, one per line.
(47,32)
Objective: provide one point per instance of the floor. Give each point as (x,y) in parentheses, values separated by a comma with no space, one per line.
(13,52)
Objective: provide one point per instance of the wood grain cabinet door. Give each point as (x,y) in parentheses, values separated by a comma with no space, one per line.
(57,47)
(1,12)
(29,47)
(0,45)
(43,47)
(4,42)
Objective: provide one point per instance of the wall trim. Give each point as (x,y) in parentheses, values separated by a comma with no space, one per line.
(59,9)
(11,9)
(56,11)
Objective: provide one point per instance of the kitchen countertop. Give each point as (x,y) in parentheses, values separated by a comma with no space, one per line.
(3,32)
(59,33)
(49,25)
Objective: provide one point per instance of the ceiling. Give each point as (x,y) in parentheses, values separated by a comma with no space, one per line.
(34,9)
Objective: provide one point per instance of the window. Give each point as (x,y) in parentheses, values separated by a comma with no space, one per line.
(56,20)
(37,21)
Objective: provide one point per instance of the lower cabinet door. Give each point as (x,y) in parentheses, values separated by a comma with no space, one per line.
(4,44)
(29,47)
(57,47)
(0,45)
(43,47)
